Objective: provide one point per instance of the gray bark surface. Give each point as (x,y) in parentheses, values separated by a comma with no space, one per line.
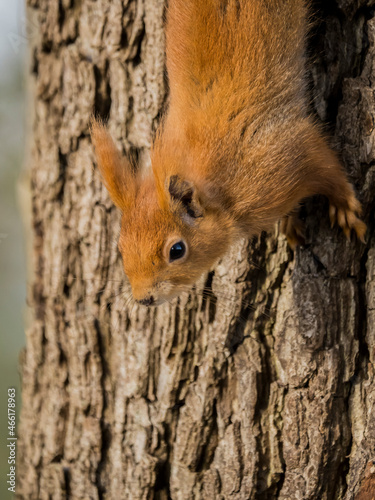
(263,390)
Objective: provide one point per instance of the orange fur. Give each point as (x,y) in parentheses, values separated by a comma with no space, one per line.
(116,170)
(236,151)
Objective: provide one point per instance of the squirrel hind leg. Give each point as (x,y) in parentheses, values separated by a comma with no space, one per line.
(294,229)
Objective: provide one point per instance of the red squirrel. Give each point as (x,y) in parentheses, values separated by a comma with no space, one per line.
(236,150)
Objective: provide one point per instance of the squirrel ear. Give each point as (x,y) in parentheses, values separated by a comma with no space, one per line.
(117,172)
(185,193)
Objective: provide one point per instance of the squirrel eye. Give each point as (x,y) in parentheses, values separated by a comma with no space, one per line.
(177,251)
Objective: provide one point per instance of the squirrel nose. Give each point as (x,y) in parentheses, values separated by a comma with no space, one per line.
(147,302)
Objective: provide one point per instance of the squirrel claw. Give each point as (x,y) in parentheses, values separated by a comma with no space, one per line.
(294,230)
(347,219)
(332,214)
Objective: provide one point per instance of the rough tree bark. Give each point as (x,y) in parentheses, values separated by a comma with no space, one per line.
(266,389)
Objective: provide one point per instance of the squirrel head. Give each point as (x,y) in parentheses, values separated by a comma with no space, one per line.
(170,235)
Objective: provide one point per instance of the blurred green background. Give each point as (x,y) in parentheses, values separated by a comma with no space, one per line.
(13,47)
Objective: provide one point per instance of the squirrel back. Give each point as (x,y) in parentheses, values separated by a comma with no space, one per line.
(236,150)
(236,46)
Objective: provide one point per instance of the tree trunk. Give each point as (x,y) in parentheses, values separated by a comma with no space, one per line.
(262,390)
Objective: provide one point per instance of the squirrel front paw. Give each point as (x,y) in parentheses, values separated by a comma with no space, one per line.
(346,216)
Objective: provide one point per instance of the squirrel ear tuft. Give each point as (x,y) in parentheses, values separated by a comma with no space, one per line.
(185,193)
(116,170)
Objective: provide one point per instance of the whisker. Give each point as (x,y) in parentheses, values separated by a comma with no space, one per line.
(76,278)
(99,292)
(208,294)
